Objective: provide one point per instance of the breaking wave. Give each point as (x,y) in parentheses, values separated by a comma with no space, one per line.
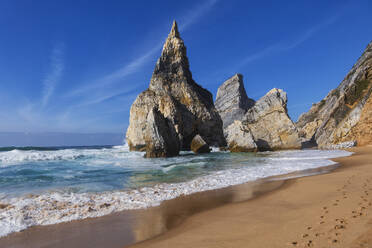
(41,187)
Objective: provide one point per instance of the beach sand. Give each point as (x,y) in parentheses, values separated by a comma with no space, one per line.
(326,210)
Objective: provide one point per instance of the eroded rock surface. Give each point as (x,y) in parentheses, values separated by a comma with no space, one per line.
(232,101)
(270,124)
(160,137)
(185,104)
(239,138)
(343,115)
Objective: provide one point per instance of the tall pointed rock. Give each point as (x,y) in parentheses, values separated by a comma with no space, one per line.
(172,91)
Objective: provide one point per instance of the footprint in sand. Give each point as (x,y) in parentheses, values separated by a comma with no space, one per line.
(309,243)
(337,227)
(294,243)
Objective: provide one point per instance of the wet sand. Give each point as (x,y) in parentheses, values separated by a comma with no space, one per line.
(128,227)
(275,212)
(328,210)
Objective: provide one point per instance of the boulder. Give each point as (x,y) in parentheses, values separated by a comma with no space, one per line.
(198,145)
(232,101)
(270,124)
(239,138)
(186,105)
(344,114)
(160,136)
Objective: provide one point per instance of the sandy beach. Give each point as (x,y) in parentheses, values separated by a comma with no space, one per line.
(328,210)
(323,210)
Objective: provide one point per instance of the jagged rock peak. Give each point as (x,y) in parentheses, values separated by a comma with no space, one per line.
(187,107)
(174,31)
(173,62)
(232,101)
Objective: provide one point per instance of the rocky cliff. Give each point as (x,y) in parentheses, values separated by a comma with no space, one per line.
(344,114)
(232,101)
(186,105)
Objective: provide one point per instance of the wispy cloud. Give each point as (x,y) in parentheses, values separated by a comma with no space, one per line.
(117,75)
(109,93)
(53,77)
(280,47)
(105,96)
(195,13)
(137,64)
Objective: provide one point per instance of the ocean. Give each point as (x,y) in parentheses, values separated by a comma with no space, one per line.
(41,186)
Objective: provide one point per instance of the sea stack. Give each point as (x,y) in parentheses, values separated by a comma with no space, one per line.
(250,126)
(270,124)
(187,107)
(343,117)
(232,101)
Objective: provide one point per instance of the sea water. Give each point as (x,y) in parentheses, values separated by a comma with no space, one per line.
(41,186)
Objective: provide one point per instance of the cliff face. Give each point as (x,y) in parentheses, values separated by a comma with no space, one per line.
(343,115)
(232,101)
(172,91)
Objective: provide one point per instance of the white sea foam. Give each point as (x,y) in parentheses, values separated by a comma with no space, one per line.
(56,207)
(15,157)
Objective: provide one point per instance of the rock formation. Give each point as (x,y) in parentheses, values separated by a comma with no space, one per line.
(161,137)
(264,125)
(232,101)
(198,145)
(343,116)
(187,106)
(270,124)
(239,138)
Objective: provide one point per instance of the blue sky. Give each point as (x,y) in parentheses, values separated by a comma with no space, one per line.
(77,66)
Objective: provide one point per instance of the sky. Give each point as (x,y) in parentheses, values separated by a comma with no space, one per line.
(77,66)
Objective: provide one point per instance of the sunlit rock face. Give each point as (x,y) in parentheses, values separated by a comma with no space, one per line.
(239,138)
(251,126)
(270,124)
(343,116)
(262,125)
(186,105)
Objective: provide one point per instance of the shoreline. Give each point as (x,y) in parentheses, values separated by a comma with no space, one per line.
(163,218)
(325,210)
